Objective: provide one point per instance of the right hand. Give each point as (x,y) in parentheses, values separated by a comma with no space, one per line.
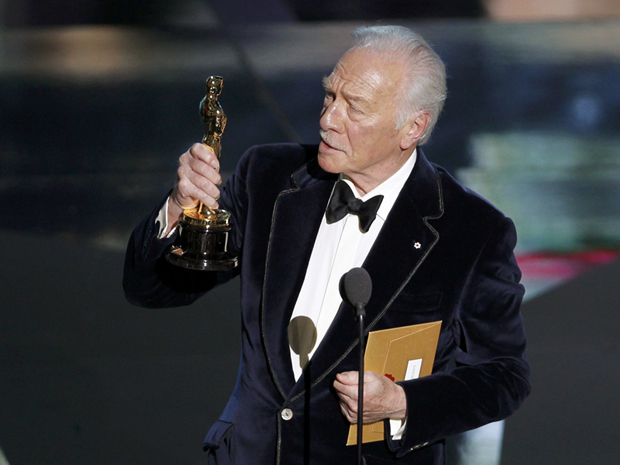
(197,180)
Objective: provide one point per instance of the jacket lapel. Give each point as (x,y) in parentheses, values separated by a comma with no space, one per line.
(296,219)
(406,239)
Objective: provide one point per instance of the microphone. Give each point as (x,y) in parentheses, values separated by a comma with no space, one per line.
(356,289)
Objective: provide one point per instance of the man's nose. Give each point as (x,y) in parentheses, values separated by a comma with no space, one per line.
(330,117)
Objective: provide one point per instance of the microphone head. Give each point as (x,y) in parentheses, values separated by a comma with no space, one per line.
(356,287)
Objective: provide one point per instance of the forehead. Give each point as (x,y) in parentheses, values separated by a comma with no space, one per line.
(366,72)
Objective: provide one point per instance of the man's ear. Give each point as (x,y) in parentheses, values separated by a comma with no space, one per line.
(414,129)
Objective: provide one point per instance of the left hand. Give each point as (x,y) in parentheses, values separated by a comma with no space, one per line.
(382,397)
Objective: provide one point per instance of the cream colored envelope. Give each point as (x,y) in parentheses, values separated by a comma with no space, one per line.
(401,353)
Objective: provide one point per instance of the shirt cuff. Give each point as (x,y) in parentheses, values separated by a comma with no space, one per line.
(398,426)
(162,219)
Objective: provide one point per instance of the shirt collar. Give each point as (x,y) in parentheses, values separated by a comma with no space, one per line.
(390,188)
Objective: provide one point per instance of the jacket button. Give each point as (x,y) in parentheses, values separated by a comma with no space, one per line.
(286,414)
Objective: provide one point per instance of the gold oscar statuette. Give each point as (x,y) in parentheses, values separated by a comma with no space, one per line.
(202,243)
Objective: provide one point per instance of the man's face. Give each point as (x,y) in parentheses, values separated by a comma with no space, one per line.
(358,134)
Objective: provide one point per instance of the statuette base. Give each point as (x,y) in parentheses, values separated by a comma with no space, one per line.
(203,242)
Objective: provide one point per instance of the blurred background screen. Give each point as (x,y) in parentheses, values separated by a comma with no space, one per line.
(98,98)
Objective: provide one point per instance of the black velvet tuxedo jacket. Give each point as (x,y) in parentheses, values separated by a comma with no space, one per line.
(443,253)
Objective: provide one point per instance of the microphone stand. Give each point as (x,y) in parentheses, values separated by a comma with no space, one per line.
(356,289)
(360,313)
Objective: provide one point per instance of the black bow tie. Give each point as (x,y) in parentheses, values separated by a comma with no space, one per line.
(343,201)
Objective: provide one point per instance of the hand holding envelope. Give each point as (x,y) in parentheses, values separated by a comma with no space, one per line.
(403,353)
(382,397)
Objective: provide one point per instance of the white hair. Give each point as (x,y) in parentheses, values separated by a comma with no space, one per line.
(425,89)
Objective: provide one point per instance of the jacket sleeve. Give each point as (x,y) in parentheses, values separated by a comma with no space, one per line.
(150,281)
(491,377)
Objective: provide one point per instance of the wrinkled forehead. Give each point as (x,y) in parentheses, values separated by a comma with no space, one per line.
(366,70)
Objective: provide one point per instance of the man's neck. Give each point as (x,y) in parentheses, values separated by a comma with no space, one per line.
(377,175)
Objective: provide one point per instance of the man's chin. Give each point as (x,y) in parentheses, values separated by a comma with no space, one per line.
(327,162)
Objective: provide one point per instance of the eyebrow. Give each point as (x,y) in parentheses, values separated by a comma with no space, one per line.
(354,97)
(327,82)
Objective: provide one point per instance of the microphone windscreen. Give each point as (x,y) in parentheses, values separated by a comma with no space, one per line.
(356,287)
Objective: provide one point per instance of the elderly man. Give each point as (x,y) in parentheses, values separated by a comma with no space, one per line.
(434,250)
